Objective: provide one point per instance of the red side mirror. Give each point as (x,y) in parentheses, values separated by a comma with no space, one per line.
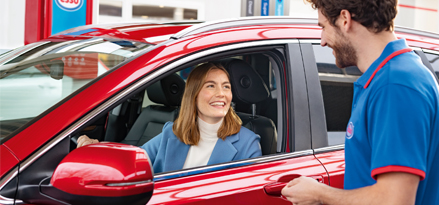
(103,173)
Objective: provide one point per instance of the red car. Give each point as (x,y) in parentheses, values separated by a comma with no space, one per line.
(122,83)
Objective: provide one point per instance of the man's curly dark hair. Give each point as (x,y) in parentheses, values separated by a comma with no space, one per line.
(375,15)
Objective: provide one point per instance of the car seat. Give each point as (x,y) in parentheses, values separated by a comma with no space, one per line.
(166,92)
(262,65)
(248,87)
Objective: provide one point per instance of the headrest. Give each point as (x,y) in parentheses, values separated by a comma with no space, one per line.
(247,85)
(167,91)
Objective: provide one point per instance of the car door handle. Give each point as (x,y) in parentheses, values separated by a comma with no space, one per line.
(275,188)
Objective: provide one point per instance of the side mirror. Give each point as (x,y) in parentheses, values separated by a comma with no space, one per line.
(102,173)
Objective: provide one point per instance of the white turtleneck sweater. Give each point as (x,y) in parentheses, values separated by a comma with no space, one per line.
(199,155)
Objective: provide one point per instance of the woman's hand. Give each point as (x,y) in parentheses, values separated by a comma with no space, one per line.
(84,140)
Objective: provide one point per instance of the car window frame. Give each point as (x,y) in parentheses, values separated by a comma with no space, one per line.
(319,135)
(266,49)
(318,121)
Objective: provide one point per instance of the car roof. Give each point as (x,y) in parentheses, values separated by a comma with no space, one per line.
(155,33)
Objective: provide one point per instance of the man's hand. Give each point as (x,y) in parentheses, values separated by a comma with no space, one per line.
(391,188)
(84,140)
(302,190)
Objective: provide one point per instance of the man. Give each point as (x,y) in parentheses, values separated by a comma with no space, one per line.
(392,139)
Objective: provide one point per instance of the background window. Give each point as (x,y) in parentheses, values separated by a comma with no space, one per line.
(190,14)
(153,12)
(110,8)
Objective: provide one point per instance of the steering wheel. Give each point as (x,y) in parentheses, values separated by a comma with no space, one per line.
(73,142)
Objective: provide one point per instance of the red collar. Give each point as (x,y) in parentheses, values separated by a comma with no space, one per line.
(405,50)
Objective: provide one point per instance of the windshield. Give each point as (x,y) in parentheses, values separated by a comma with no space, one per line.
(37,76)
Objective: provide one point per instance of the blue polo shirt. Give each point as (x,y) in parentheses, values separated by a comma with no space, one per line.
(394,124)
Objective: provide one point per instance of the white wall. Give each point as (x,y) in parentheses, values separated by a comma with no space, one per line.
(426,19)
(302,10)
(423,16)
(12,24)
(223,9)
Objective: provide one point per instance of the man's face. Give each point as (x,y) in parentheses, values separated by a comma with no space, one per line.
(345,54)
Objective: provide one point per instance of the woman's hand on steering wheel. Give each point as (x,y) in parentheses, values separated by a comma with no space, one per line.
(84,140)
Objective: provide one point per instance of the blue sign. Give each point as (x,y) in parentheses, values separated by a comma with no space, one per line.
(279,11)
(265,8)
(68,14)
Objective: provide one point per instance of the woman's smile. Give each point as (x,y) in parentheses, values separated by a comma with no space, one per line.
(218,104)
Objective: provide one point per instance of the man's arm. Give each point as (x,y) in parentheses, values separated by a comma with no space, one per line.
(391,188)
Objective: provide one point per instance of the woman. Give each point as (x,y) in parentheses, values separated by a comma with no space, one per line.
(207,131)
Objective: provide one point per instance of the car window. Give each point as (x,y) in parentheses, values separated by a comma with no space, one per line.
(434,61)
(36,76)
(142,116)
(337,92)
(263,66)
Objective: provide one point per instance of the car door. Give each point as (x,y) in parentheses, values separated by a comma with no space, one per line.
(249,181)
(258,180)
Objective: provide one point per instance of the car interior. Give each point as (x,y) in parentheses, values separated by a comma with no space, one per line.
(143,115)
(337,91)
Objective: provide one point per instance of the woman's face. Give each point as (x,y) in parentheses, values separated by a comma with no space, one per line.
(213,101)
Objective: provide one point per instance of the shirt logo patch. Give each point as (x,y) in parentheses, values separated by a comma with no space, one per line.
(350,130)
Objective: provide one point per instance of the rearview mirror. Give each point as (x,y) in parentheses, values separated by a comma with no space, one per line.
(102,173)
(57,69)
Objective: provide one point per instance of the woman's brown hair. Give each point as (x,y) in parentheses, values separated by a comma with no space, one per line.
(185,126)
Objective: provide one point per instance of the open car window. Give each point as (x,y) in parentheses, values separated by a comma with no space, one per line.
(37,76)
(142,116)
